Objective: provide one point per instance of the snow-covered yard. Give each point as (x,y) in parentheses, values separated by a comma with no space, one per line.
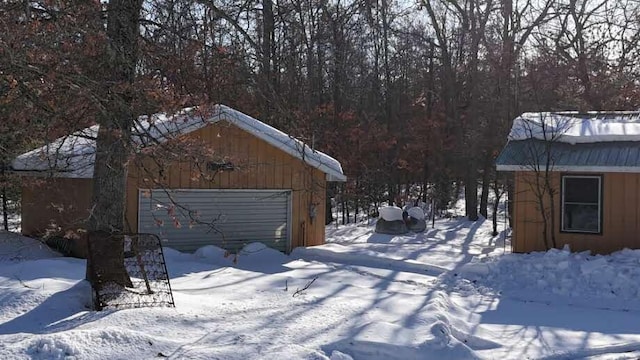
(450,293)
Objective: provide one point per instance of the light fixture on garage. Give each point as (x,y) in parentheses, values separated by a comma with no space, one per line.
(220,166)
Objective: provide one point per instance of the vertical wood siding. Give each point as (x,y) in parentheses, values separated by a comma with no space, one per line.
(60,201)
(620,220)
(55,206)
(259,165)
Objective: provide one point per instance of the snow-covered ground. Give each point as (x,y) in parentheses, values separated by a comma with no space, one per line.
(453,292)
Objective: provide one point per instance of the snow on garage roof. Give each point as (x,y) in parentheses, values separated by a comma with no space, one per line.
(573,142)
(73,156)
(575,127)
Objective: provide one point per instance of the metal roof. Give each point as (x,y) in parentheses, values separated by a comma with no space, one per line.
(532,154)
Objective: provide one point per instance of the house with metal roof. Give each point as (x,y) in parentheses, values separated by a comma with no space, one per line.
(253,183)
(576,180)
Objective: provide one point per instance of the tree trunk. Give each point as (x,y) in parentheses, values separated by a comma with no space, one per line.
(484,196)
(471,196)
(346,210)
(104,264)
(510,197)
(343,204)
(356,206)
(106,222)
(5,208)
(328,211)
(545,222)
(496,204)
(552,209)
(267,56)
(494,218)
(107,216)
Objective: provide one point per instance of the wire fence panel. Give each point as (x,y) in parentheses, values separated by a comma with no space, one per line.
(146,268)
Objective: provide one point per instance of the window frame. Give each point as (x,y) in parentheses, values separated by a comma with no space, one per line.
(600,203)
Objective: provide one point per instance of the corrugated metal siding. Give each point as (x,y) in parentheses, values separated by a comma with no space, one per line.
(238,217)
(530,152)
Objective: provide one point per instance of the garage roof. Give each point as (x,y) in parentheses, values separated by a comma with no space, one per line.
(73,156)
(529,155)
(572,141)
(577,127)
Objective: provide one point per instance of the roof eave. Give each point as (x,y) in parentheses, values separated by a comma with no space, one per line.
(335,177)
(51,173)
(571,168)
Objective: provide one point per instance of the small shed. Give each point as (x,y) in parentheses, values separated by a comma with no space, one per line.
(590,163)
(259,184)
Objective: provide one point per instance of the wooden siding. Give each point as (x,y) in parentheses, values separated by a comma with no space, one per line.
(259,165)
(54,202)
(55,206)
(620,218)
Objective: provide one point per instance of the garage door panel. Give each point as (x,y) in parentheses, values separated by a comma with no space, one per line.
(228,213)
(217,221)
(269,202)
(239,217)
(229,209)
(223,195)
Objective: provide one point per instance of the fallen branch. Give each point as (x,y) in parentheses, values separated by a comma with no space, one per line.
(24,284)
(300,291)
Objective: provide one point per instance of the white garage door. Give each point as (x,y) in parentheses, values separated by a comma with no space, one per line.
(188,219)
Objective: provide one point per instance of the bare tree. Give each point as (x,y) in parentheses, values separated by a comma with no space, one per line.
(539,154)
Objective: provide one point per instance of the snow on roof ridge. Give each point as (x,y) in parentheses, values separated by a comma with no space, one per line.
(285,142)
(577,127)
(73,155)
(590,112)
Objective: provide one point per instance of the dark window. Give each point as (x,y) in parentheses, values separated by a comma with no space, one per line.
(582,204)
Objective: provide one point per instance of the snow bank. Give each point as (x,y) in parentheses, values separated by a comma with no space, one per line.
(573,127)
(437,336)
(373,342)
(337,355)
(615,277)
(210,252)
(251,255)
(47,348)
(15,247)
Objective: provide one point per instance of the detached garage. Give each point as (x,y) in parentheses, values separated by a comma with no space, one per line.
(250,182)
